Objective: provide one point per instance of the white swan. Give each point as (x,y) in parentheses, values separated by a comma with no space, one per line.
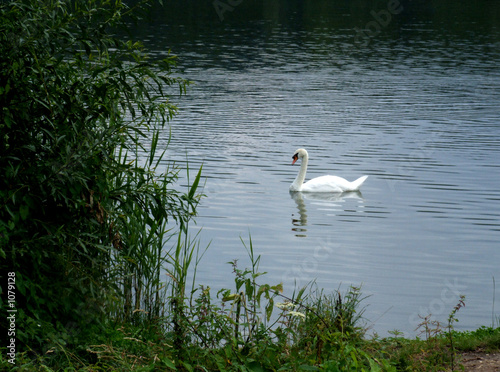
(323,183)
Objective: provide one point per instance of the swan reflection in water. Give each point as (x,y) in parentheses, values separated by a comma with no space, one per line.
(330,200)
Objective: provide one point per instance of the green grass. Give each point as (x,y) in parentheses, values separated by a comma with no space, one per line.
(146,348)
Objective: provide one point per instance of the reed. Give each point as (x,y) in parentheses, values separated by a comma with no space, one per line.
(144,206)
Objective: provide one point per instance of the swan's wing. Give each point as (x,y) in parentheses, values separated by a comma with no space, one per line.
(332,184)
(325,184)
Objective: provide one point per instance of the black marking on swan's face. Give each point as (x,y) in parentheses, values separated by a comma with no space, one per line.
(295,157)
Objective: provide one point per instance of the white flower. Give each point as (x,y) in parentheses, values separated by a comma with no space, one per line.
(297,313)
(285,305)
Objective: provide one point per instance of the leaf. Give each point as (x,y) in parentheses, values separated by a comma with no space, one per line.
(188,366)
(308,368)
(24,211)
(169,363)
(231,297)
(255,366)
(269,309)
(195,184)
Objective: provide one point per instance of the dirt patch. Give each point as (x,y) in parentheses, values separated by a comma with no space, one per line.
(480,361)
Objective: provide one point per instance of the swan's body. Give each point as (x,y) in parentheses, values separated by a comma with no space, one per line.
(323,183)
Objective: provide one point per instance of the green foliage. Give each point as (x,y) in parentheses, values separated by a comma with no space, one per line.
(252,304)
(438,350)
(483,338)
(84,206)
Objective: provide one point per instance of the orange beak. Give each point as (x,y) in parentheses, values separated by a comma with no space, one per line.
(295,158)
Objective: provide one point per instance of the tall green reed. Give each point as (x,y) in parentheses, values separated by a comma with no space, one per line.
(146,204)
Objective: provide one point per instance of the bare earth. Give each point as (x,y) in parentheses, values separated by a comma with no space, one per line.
(480,361)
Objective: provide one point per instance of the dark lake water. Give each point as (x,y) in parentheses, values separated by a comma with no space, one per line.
(405,92)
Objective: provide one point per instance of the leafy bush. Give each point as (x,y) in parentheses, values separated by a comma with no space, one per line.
(84,205)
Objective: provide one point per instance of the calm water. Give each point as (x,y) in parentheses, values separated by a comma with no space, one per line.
(412,102)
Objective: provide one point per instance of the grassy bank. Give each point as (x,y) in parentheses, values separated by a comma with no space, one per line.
(253,327)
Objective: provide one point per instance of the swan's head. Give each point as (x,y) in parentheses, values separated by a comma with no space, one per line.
(299,154)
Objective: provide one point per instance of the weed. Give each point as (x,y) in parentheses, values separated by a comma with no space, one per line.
(452,319)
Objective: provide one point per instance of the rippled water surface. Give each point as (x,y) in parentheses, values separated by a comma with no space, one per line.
(415,106)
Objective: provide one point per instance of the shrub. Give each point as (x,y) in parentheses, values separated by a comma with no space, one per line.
(84,206)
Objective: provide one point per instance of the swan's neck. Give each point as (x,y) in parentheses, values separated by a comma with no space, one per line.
(297,184)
